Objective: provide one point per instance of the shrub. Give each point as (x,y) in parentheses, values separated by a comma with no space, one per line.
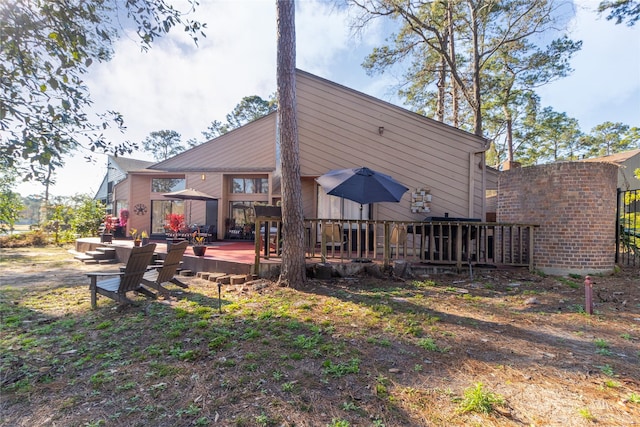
(87,217)
(24,240)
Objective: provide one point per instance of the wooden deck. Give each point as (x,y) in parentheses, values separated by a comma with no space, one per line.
(231,257)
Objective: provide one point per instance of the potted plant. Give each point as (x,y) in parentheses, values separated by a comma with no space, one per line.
(136,238)
(175,223)
(199,248)
(107,233)
(145,237)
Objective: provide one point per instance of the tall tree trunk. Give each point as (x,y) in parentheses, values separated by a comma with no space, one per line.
(509,136)
(293,271)
(475,101)
(44,206)
(442,80)
(452,54)
(442,83)
(508,120)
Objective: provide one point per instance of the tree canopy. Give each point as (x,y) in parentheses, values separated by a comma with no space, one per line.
(47,49)
(163,144)
(473,64)
(608,138)
(621,11)
(463,52)
(250,108)
(10,203)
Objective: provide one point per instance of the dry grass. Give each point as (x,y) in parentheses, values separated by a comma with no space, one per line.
(504,349)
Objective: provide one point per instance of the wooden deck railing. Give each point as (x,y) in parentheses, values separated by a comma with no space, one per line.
(449,242)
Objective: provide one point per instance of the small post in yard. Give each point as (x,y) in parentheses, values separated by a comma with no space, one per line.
(588,295)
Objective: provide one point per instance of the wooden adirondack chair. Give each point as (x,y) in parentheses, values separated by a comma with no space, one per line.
(156,277)
(116,285)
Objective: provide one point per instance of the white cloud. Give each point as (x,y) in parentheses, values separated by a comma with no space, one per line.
(183,88)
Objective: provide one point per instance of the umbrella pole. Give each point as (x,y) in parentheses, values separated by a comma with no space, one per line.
(360,234)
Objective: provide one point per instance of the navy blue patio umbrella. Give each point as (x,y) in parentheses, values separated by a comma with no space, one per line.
(362,185)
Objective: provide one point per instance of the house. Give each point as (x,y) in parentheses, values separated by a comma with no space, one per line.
(443,167)
(117,170)
(628,162)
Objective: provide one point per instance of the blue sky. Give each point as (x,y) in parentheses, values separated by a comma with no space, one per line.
(180,87)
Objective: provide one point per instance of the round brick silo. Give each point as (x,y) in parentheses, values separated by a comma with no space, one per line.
(574,204)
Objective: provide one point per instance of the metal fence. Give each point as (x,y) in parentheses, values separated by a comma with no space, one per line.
(456,243)
(628,228)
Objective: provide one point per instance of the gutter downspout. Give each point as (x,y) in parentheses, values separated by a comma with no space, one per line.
(472,156)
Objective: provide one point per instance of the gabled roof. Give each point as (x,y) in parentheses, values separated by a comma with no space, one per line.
(127,165)
(617,158)
(239,150)
(117,169)
(213,155)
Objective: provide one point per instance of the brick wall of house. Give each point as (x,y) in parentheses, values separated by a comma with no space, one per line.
(574,204)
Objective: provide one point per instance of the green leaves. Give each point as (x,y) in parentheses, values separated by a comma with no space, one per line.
(476,399)
(10,203)
(163,144)
(469,62)
(46,49)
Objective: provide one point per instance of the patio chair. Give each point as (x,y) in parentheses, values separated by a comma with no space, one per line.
(332,236)
(116,285)
(398,239)
(211,234)
(157,276)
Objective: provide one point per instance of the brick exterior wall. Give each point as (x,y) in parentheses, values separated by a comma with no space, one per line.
(574,204)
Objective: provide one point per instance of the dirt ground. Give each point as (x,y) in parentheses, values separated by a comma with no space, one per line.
(523,335)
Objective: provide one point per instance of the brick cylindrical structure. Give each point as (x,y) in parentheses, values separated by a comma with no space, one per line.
(574,203)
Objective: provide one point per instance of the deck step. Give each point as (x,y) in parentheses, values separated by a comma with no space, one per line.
(215,277)
(85,258)
(105,249)
(98,255)
(238,279)
(224,280)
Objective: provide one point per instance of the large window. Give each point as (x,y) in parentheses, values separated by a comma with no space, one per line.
(167,185)
(250,185)
(332,207)
(240,223)
(242,213)
(159,211)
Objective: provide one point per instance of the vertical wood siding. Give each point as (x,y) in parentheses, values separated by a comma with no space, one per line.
(139,189)
(249,147)
(339,128)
